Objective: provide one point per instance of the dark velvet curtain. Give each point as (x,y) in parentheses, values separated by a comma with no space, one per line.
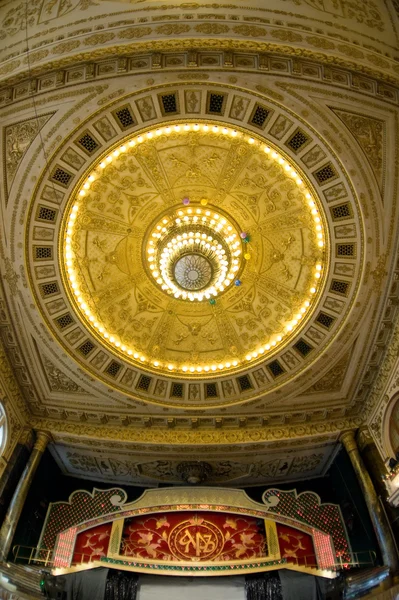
(121,585)
(263,586)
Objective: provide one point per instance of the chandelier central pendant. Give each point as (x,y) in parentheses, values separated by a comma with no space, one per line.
(194,254)
(193,271)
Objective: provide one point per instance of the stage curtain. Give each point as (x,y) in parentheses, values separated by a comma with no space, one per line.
(300,586)
(265,586)
(121,585)
(86,585)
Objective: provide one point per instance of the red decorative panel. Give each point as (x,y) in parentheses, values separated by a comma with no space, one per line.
(92,544)
(81,507)
(307,508)
(194,536)
(296,546)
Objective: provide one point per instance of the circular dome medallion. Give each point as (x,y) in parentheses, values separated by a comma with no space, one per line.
(156,280)
(192,272)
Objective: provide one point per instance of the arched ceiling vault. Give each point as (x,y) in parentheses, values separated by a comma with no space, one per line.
(199,232)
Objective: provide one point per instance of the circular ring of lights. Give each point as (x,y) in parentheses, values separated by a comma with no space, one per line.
(167,258)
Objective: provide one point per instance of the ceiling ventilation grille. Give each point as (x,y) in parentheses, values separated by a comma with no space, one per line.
(342,211)
(346,250)
(339,287)
(113,368)
(144,383)
(61,176)
(259,116)
(169,104)
(325,174)
(211,390)
(303,347)
(86,347)
(298,140)
(275,368)
(124,117)
(64,321)
(46,214)
(244,383)
(216,103)
(325,320)
(177,390)
(49,289)
(88,143)
(43,252)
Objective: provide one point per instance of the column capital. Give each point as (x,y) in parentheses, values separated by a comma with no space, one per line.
(364,437)
(42,439)
(347,438)
(26,437)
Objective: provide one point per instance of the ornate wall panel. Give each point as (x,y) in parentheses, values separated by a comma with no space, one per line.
(175,534)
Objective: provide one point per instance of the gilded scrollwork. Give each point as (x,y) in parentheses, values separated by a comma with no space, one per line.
(59,381)
(18,138)
(370,133)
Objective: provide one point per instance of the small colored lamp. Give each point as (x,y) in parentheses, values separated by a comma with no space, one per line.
(237,282)
(247,256)
(212,301)
(204,201)
(243,235)
(186,201)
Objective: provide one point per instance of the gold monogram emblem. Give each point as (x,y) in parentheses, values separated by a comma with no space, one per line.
(196,540)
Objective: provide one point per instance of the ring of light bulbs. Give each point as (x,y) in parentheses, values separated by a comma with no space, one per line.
(194,230)
(166,255)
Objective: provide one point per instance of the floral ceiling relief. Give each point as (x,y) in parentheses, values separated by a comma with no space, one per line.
(17,139)
(362,11)
(370,134)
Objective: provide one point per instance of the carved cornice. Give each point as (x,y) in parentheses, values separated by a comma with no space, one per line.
(157,51)
(199,437)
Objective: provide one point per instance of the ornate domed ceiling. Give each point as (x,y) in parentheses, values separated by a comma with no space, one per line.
(200,233)
(167,242)
(197,251)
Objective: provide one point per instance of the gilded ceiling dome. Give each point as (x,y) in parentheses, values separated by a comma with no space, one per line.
(197,249)
(171,232)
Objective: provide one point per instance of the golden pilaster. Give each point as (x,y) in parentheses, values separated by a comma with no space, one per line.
(16,505)
(377,515)
(377,469)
